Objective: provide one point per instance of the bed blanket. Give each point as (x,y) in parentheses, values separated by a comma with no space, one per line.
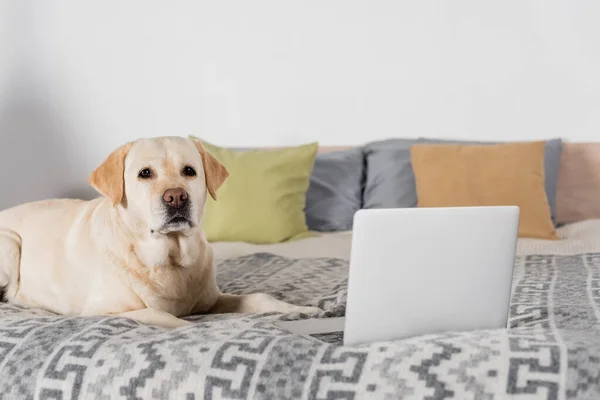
(552,349)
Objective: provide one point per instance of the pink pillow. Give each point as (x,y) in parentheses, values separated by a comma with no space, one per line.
(578,193)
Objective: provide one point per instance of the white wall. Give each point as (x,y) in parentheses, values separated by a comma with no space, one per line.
(79,78)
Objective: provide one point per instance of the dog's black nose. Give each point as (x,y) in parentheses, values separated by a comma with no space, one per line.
(175,198)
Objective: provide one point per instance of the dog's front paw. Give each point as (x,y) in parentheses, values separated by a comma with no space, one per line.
(182,323)
(308,310)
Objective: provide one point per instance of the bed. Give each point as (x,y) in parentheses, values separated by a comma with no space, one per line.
(552,349)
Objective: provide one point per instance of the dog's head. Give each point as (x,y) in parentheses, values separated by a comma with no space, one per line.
(161,183)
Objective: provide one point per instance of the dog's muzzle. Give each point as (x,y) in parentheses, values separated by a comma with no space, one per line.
(177,205)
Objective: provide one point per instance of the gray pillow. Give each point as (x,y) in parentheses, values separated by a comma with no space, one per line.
(335,190)
(390,182)
(552,156)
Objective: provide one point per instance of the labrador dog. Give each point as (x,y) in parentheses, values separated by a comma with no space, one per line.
(138,251)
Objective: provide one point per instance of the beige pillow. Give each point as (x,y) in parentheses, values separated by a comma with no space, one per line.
(454,175)
(578,193)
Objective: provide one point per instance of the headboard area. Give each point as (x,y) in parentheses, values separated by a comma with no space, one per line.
(78,80)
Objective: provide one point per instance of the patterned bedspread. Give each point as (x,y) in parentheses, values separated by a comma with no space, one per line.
(551,351)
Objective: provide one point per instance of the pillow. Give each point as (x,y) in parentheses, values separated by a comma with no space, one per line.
(335,190)
(264,197)
(552,156)
(390,182)
(454,175)
(578,195)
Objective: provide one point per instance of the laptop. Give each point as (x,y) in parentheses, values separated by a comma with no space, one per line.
(418,271)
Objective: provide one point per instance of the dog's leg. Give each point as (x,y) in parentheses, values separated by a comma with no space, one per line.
(10,258)
(256,303)
(151,316)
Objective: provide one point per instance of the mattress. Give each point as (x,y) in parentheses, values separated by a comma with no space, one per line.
(551,351)
(580,237)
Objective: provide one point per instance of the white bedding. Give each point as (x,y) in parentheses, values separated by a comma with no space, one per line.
(580,237)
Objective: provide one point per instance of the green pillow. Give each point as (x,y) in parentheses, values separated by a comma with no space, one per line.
(263,199)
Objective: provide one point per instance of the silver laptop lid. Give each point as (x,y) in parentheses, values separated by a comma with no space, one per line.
(427,270)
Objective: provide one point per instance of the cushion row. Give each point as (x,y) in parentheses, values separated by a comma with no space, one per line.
(377,175)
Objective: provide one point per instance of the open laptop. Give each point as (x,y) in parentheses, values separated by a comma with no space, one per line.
(418,271)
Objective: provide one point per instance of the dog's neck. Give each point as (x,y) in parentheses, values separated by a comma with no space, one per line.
(175,250)
(172,250)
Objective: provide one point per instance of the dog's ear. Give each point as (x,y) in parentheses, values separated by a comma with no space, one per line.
(214,171)
(108,179)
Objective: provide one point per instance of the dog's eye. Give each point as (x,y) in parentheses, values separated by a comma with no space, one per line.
(189,171)
(146,173)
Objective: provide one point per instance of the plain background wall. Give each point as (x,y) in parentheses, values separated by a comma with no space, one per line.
(79,78)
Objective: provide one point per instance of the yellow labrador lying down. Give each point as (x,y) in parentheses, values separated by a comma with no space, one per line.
(138,251)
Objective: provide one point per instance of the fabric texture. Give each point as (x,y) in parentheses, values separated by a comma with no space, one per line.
(264,197)
(335,190)
(578,196)
(454,175)
(552,160)
(551,349)
(390,182)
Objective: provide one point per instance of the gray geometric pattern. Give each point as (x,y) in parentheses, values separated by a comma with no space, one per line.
(551,351)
